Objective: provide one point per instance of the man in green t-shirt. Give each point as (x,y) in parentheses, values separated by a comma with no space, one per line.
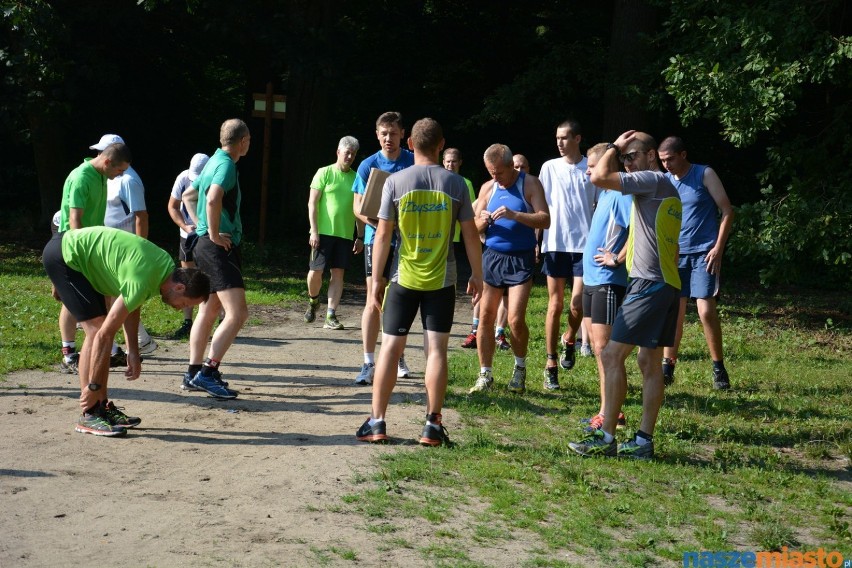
(85,265)
(84,200)
(332,228)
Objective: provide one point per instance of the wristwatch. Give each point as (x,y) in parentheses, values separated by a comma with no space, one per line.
(612,146)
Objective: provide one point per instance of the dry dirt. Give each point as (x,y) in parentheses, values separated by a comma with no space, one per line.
(257,481)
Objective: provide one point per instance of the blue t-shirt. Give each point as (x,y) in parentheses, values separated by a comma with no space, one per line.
(700,225)
(380,162)
(507,235)
(609,231)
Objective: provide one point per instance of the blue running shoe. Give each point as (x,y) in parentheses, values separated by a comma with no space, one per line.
(212,386)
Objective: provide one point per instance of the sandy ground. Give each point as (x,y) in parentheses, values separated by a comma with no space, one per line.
(257,481)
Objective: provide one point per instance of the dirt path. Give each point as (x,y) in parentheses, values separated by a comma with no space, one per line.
(256,481)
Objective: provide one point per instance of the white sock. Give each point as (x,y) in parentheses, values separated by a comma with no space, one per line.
(607,436)
(486,370)
(520,361)
(374,421)
(642,441)
(370,358)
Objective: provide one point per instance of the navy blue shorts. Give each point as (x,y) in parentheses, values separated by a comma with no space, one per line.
(648,316)
(507,269)
(695,281)
(401,305)
(562,264)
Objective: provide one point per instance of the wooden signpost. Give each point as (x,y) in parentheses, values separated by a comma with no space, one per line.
(268,106)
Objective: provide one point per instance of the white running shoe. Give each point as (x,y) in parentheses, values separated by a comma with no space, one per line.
(149,347)
(365,377)
(402,370)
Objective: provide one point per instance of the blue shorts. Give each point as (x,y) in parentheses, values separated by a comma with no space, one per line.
(648,316)
(563,264)
(695,281)
(507,269)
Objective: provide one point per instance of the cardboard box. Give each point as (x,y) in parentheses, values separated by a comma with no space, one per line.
(372,199)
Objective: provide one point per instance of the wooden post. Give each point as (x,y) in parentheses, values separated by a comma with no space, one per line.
(268,106)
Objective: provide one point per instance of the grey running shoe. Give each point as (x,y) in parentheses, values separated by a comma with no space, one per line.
(434,435)
(96,424)
(311,313)
(148,347)
(551,378)
(518,384)
(721,380)
(331,322)
(69,366)
(483,383)
(634,450)
(594,445)
(586,350)
(114,415)
(365,377)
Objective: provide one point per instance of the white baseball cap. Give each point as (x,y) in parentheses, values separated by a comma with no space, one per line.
(105,141)
(196,165)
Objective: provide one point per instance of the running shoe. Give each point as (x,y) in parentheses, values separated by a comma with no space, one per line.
(501,342)
(483,383)
(586,350)
(148,347)
(311,312)
(594,445)
(551,378)
(365,377)
(636,451)
(68,365)
(97,425)
(721,380)
(114,415)
(187,383)
(434,435)
(668,371)
(596,421)
(568,356)
(331,322)
(118,359)
(518,384)
(212,385)
(183,330)
(402,370)
(470,341)
(373,434)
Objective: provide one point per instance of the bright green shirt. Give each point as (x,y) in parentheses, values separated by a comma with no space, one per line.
(222,171)
(457,236)
(334,208)
(85,188)
(118,263)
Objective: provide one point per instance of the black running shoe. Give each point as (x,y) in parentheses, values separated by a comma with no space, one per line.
(434,435)
(119,359)
(721,380)
(374,434)
(183,330)
(668,371)
(568,356)
(114,415)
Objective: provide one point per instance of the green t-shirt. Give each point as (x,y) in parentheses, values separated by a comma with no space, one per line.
(334,209)
(457,236)
(85,188)
(118,263)
(222,171)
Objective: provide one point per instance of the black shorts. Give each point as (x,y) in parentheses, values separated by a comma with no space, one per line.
(187,248)
(78,295)
(401,305)
(507,269)
(648,316)
(333,252)
(601,303)
(562,264)
(225,268)
(368,262)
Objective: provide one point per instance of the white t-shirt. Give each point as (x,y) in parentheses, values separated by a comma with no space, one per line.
(182,183)
(125,196)
(571,199)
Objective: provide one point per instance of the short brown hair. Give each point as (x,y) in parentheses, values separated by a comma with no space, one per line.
(427,135)
(390,118)
(118,153)
(596,150)
(232,131)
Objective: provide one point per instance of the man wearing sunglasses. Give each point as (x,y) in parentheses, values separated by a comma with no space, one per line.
(648,316)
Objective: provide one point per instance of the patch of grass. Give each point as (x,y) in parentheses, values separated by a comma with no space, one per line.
(754,468)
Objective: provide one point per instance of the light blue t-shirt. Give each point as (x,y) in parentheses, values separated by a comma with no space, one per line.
(700,226)
(380,162)
(609,231)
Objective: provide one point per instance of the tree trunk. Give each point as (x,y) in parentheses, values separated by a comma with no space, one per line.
(51,161)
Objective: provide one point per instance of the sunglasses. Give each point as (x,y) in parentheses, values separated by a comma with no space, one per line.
(629,157)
